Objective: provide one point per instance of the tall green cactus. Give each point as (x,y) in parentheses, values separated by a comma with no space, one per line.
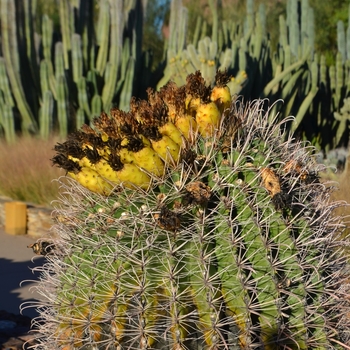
(231,244)
(7,127)
(11,50)
(46,110)
(343,117)
(83,48)
(7,122)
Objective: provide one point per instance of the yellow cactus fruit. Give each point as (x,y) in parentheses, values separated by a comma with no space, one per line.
(104,137)
(187,125)
(132,176)
(207,118)
(149,160)
(83,162)
(199,105)
(165,146)
(126,156)
(74,159)
(192,103)
(169,129)
(221,96)
(145,140)
(179,123)
(127,174)
(221,93)
(136,151)
(90,179)
(170,95)
(131,148)
(196,92)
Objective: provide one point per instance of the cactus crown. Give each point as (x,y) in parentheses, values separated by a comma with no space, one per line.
(197,227)
(166,122)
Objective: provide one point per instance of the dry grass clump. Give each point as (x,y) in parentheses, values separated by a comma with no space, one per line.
(344,194)
(26,171)
(341,181)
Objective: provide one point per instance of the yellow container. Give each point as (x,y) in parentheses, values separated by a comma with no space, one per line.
(16,218)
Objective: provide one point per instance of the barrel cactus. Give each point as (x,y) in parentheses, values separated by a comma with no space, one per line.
(193,222)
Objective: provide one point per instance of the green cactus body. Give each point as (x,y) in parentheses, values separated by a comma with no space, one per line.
(46,111)
(7,123)
(5,84)
(234,246)
(83,96)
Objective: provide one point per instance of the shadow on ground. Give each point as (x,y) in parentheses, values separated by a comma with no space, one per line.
(14,326)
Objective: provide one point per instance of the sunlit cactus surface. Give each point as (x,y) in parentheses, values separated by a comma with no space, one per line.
(193,222)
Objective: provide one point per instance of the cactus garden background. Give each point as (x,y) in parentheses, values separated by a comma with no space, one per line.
(195,214)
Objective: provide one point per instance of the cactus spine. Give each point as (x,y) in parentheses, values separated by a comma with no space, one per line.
(232,245)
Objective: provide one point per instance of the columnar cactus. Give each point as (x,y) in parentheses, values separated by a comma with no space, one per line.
(190,224)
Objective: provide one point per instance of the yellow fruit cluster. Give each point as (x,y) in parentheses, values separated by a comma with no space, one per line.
(131,148)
